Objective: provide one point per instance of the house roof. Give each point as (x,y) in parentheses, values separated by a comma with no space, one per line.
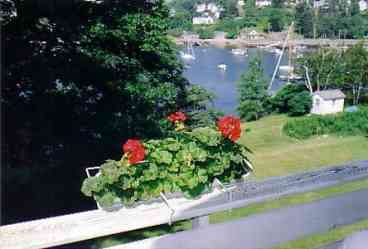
(330,94)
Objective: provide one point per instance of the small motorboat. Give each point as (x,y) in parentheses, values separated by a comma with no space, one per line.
(222,66)
(239,51)
(187,56)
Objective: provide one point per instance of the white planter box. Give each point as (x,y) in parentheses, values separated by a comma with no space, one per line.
(173,201)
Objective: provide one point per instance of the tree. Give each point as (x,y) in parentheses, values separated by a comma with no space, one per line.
(229,6)
(250,12)
(277,3)
(276,20)
(253,92)
(324,67)
(330,68)
(304,19)
(355,77)
(354,7)
(78,82)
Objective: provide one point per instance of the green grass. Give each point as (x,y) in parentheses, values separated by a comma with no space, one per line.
(288,201)
(141,234)
(275,154)
(319,240)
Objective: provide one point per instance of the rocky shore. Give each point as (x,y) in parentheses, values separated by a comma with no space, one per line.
(241,43)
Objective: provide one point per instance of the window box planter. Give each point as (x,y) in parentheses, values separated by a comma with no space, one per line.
(172,200)
(181,167)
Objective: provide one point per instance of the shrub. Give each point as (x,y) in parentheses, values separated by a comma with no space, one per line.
(294,100)
(232,34)
(355,123)
(205,33)
(300,104)
(251,110)
(187,161)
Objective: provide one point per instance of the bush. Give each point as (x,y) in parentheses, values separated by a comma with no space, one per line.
(205,33)
(354,123)
(300,104)
(251,110)
(232,34)
(294,100)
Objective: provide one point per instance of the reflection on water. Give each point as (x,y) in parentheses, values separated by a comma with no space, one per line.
(204,71)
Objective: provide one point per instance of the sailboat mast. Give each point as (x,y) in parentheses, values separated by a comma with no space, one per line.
(280,57)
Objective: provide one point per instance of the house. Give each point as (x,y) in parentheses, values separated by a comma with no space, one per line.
(250,34)
(263,3)
(363,5)
(201,8)
(208,13)
(240,7)
(203,20)
(328,102)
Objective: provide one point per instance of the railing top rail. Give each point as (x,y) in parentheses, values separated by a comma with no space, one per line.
(81,226)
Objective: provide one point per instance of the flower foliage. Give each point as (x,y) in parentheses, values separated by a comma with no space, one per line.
(229,127)
(177,117)
(187,162)
(134,151)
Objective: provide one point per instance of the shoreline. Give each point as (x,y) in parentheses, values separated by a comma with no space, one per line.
(241,43)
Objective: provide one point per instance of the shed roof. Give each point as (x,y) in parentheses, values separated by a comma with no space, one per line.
(330,94)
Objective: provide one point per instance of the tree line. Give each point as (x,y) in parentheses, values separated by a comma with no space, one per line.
(78,80)
(336,19)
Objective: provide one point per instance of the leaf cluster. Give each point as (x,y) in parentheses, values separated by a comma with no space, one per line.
(187,162)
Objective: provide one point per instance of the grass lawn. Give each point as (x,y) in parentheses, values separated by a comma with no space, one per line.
(319,240)
(275,154)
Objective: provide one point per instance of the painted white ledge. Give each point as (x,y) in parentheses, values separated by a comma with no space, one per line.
(92,224)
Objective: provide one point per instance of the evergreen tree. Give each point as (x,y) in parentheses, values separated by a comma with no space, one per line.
(304,19)
(277,3)
(253,92)
(354,7)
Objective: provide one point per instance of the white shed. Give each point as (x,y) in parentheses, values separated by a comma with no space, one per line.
(328,102)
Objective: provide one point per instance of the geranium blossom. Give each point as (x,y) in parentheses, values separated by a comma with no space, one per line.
(229,127)
(177,117)
(135,151)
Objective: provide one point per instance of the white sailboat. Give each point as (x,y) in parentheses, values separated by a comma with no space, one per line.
(287,72)
(188,54)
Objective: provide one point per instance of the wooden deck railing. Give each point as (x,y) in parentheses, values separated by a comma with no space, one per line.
(76,227)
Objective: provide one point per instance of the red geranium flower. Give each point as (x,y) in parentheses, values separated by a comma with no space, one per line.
(229,127)
(177,117)
(135,151)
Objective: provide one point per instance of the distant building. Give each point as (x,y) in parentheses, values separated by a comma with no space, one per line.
(240,7)
(363,5)
(320,4)
(203,20)
(263,3)
(209,13)
(201,8)
(328,102)
(250,34)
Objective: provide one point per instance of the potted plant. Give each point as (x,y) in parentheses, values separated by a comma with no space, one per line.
(187,162)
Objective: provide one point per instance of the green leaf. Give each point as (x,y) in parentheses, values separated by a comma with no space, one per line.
(162,156)
(207,136)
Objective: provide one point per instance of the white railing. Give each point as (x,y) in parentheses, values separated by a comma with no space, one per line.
(76,227)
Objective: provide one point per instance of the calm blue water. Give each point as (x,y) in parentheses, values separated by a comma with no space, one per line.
(204,71)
